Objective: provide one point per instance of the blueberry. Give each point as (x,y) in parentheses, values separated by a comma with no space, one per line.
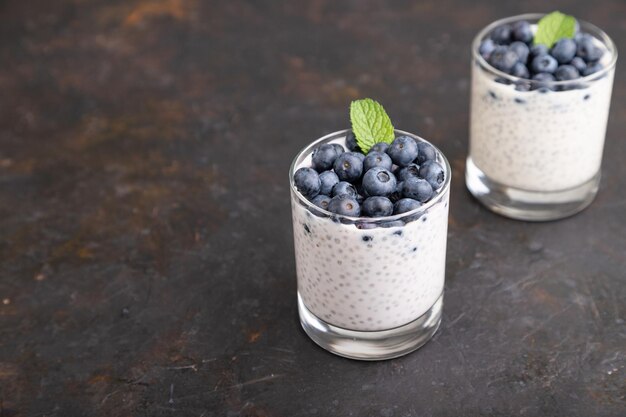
(566,72)
(579,64)
(417,189)
(377,159)
(521,49)
(344,205)
(403,150)
(358,155)
(592,68)
(307,181)
(538,50)
(426,152)
(379,147)
(321,201)
(409,171)
(338,148)
(503,59)
(522,31)
(564,50)
(348,166)
(544,63)
(324,156)
(328,179)
(379,181)
(377,207)
(520,70)
(502,34)
(351,141)
(344,188)
(404,205)
(588,50)
(542,79)
(397,194)
(432,172)
(486,48)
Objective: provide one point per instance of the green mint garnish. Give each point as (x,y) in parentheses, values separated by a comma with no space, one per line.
(370,123)
(554,26)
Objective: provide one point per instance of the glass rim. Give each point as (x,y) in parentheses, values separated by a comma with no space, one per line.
(606,39)
(445,188)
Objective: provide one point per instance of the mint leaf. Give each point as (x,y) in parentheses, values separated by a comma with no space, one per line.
(370,123)
(554,26)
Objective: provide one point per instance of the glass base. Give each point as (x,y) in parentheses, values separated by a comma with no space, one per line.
(529,205)
(372,345)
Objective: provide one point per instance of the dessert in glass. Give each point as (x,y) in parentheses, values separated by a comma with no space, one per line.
(538,117)
(370,243)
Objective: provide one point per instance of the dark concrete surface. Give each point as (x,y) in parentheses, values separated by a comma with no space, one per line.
(146,259)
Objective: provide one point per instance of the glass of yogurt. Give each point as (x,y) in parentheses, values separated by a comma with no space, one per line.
(369,288)
(536,145)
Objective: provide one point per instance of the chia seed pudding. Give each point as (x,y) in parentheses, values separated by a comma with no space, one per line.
(369,274)
(540,135)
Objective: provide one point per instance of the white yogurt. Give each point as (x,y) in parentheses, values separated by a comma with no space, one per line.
(370,279)
(538,141)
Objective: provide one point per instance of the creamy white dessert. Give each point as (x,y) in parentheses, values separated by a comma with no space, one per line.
(371,279)
(538,140)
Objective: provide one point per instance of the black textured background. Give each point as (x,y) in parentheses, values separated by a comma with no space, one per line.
(146,259)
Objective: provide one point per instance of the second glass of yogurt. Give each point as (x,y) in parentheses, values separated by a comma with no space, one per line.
(536,146)
(370,288)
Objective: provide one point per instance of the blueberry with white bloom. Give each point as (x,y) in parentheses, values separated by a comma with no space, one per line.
(377,207)
(522,31)
(502,34)
(503,59)
(307,181)
(348,166)
(521,49)
(588,50)
(328,179)
(520,70)
(426,152)
(542,80)
(578,63)
(432,172)
(379,147)
(417,189)
(344,205)
(486,48)
(377,159)
(404,205)
(403,150)
(566,72)
(411,170)
(564,50)
(351,141)
(379,182)
(538,50)
(324,156)
(544,63)
(321,201)
(592,68)
(344,188)
(338,148)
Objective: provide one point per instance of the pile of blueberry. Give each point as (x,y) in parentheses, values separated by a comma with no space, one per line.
(510,49)
(390,179)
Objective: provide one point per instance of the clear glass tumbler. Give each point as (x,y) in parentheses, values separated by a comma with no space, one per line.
(369,288)
(536,148)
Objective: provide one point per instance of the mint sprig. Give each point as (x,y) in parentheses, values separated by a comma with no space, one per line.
(554,26)
(370,123)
